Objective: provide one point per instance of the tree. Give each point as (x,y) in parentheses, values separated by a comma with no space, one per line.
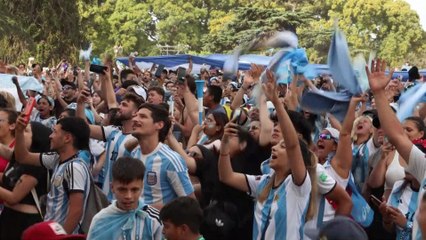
(245,24)
(53,27)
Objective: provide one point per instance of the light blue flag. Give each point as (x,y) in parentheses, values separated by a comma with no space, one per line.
(409,100)
(339,61)
(230,66)
(361,74)
(26,83)
(318,102)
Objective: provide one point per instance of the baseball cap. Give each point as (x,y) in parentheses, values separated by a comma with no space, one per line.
(334,133)
(340,228)
(49,231)
(139,90)
(71,84)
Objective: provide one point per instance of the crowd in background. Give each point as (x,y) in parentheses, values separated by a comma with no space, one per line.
(258,166)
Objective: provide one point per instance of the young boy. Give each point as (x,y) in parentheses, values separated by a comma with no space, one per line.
(182,218)
(127,217)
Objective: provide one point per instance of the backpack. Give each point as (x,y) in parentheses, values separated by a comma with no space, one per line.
(96,201)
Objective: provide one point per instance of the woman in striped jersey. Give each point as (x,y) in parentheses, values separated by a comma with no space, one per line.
(398,213)
(283,198)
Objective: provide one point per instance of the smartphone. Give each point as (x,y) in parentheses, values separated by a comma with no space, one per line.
(181,72)
(159,70)
(236,116)
(75,73)
(29,108)
(375,200)
(99,69)
(90,84)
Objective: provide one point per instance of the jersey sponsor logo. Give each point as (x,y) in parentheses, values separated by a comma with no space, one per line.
(151,178)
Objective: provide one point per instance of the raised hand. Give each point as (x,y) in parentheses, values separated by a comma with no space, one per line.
(270,87)
(377,77)
(21,123)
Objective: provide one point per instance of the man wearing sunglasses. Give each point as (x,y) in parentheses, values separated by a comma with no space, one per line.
(67,97)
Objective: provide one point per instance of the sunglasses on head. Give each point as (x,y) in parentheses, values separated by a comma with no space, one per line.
(324,136)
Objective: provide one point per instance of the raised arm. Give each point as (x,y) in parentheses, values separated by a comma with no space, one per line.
(388,120)
(190,65)
(342,161)
(266,125)
(95,130)
(108,90)
(19,91)
(177,147)
(226,173)
(250,78)
(22,154)
(294,154)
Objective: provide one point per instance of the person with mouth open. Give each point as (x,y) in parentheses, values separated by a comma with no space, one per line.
(43,115)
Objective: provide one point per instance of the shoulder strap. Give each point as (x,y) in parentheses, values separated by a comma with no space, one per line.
(37,202)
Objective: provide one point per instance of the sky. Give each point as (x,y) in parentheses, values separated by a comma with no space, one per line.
(420,7)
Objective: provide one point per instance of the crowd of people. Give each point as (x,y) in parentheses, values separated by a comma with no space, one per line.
(258,166)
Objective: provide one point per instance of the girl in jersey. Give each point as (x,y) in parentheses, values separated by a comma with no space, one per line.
(391,167)
(212,128)
(284,198)
(398,213)
(44,112)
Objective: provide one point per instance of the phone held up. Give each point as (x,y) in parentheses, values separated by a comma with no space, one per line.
(99,69)
(29,108)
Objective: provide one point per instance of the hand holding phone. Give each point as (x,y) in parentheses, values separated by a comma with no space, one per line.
(29,108)
(236,115)
(375,200)
(99,69)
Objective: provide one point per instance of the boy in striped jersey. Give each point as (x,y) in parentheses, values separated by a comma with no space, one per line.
(128,217)
(70,181)
(166,176)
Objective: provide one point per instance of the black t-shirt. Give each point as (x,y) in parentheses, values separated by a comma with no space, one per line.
(247,162)
(13,173)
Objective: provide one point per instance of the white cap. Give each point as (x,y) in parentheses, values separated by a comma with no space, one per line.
(334,133)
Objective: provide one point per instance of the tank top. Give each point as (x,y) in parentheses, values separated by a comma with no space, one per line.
(395,172)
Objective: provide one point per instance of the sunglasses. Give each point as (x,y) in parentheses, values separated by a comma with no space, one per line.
(324,136)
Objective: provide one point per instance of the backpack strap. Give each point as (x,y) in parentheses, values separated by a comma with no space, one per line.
(37,202)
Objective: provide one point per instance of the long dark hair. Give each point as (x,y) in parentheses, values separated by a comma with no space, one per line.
(40,139)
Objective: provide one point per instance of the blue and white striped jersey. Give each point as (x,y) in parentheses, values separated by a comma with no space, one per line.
(360,155)
(166,176)
(112,223)
(282,214)
(115,140)
(405,199)
(69,176)
(265,168)
(417,167)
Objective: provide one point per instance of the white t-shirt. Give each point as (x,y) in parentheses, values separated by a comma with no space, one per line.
(326,184)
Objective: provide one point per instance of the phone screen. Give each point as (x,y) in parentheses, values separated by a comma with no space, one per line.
(181,72)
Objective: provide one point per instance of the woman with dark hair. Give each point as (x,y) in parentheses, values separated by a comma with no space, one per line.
(212,128)
(19,182)
(285,198)
(44,113)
